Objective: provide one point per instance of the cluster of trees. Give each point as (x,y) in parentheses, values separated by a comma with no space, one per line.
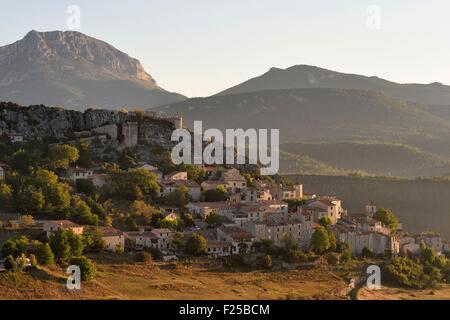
(64,248)
(426,270)
(19,252)
(287,252)
(387,218)
(218,194)
(323,241)
(132,185)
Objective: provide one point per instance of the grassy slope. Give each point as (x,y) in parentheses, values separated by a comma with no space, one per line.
(373,157)
(120,278)
(291,163)
(389,293)
(321,115)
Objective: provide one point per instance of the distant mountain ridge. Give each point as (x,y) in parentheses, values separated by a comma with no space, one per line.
(305,76)
(75,71)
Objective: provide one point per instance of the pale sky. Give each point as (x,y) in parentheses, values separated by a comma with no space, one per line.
(201,47)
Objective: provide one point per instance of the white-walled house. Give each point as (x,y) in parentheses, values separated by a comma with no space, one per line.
(112,237)
(157,238)
(234,181)
(2,171)
(298,232)
(375,241)
(323,207)
(215,248)
(287,192)
(177,175)
(241,240)
(16,138)
(80,173)
(204,209)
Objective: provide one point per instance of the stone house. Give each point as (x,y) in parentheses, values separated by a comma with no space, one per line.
(241,241)
(53,226)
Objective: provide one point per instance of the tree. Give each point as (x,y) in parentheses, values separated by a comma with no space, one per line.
(213,219)
(366,253)
(427,255)
(322,241)
(127,160)
(146,258)
(85,186)
(218,194)
(93,240)
(405,272)
(22,244)
(325,221)
(6,196)
(10,264)
(87,267)
(44,255)
(294,203)
(120,249)
(9,248)
(26,220)
(82,213)
(267,262)
(178,198)
(60,245)
(194,172)
(61,156)
(85,157)
(22,262)
(387,218)
(108,221)
(33,261)
(76,243)
(195,245)
(332,258)
(30,200)
(346,254)
(23,161)
(133,185)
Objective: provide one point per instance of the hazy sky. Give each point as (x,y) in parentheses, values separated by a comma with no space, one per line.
(200,47)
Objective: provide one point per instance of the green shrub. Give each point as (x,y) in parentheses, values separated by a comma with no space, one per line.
(145,257)
(267,262)
(33,261)
(10,264)
(87,267)
(332,258)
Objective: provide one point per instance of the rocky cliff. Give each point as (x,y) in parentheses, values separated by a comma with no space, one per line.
(57,124)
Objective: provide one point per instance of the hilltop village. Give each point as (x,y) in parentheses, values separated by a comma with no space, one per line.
(60,200)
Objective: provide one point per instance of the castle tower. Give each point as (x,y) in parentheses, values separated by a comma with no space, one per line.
(130,134)
(371,208)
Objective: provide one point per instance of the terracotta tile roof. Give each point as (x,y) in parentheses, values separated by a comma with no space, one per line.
(106,231)
(64,223)
(236,233)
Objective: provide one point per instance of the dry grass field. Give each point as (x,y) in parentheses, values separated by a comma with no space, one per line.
(389,293)
(120,277)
